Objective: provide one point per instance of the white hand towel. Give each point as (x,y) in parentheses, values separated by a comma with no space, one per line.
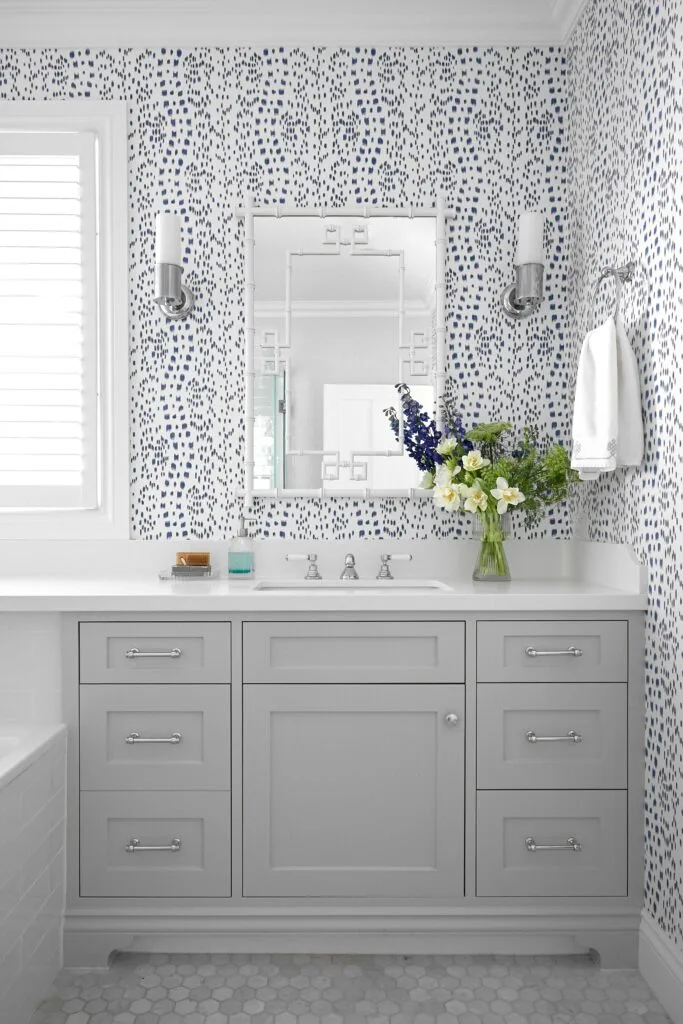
(630,446)
(596,404)
(608,419)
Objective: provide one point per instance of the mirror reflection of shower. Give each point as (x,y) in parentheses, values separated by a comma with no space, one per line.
(344,309)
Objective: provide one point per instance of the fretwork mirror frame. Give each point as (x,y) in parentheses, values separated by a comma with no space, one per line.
(249,212)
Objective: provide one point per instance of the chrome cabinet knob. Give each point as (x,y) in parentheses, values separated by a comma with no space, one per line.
(452,719)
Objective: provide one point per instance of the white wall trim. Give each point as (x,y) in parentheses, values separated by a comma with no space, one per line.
(108,120)
(94,23)
(566,14)
(661,964)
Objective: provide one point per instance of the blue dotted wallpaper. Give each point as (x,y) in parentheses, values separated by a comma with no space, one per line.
(487,127)
(625,135)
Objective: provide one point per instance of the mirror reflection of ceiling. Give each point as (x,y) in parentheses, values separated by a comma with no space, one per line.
(343,278)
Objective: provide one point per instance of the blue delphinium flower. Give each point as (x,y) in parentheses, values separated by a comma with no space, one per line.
(453,426)
(420,433)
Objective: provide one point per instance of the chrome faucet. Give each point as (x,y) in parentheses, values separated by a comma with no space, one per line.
(312,573)
(385,571)
(349,570)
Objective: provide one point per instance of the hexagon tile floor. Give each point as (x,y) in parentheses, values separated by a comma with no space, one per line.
(255,989)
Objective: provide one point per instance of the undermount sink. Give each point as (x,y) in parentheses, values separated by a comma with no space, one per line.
(353,586)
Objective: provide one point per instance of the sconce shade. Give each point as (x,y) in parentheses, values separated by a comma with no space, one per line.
(530,239)
(169,246)
(174,299)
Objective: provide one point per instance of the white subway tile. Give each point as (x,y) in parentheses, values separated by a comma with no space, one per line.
(32,879)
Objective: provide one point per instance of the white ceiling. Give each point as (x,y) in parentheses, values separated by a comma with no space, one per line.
(78,23)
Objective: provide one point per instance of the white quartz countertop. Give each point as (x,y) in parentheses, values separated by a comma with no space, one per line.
(144,594)
(547,576)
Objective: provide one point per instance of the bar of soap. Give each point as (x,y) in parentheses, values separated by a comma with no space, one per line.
(193,558)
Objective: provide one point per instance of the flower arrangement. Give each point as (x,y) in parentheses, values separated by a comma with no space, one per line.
(485,472)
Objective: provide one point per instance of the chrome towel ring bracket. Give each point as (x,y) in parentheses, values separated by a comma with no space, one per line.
(621,276)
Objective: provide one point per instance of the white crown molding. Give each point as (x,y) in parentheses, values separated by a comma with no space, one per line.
(180,23)
(566,14)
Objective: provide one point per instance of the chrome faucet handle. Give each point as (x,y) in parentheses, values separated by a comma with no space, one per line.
(312,573)
(384,570)
(349,570)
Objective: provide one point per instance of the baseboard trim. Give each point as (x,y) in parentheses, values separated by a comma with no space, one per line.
(89,937)
(661,964)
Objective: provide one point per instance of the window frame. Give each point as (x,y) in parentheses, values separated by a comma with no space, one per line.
(110,519)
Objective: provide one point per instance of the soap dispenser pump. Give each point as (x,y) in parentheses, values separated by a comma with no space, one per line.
(240,553)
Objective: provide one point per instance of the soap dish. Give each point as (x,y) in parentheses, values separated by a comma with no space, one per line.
(186,573)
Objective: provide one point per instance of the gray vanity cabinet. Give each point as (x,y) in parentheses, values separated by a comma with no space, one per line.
(354,790)
(294,782)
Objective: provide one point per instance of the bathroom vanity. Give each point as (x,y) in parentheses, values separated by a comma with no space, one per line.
(447,769)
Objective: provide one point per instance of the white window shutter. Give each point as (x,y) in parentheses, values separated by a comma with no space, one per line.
(49,409)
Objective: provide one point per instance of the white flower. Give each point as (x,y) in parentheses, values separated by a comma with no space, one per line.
(506,495)
(448,497)
(476,498)
(447,446)
(427,481)
(444,476)
(474,461)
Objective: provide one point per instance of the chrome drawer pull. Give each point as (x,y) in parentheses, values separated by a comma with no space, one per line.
(135,737)
(135,847)
(451,719)
(571,652)
(571,737)
(571,845)
(135,652)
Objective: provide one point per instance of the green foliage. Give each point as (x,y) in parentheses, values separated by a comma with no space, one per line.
(488,433)
(539,468)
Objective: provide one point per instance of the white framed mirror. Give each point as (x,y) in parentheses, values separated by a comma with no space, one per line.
(340,307)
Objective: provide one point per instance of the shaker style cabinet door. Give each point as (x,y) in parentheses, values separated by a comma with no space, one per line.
(354,790)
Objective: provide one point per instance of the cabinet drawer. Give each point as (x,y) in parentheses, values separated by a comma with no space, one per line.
(542,651)
(198,822)
(354,652)
(189,730)
(509,823)
(154,652)
(531,736)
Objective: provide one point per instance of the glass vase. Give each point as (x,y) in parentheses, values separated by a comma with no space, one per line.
(491,530)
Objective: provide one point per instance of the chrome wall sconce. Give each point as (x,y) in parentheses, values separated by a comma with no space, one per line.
(525,296)
(175,300)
